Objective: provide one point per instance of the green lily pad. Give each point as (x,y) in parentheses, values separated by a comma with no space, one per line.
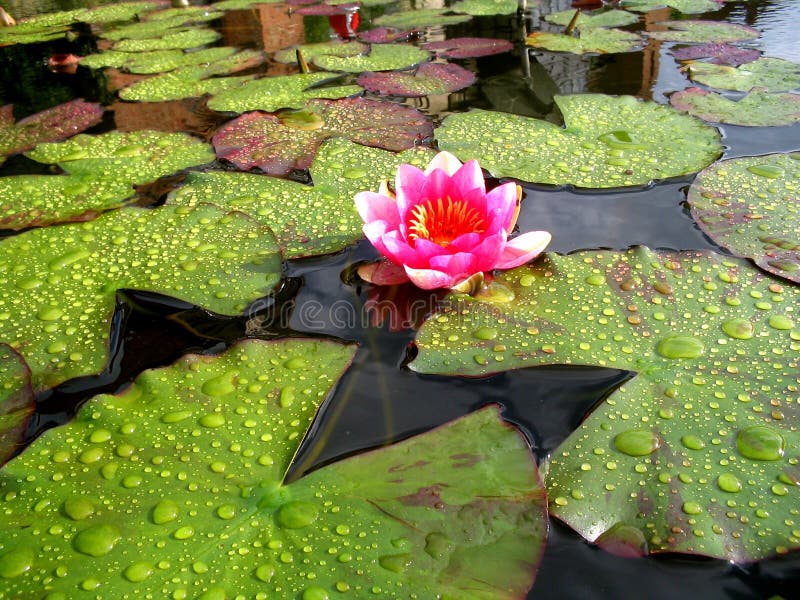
(187,13)
(381,57)
(241,4)
(750,206)
(591,40)
(186,38)
(118,11)
(17,401)
(306,220)
(278,143)
(684,6)
(175,488)
(772,74)
(40,28)
(429,78)
(423,17)
(102,171)
(273,93)
(699,452)
(58,303)
(157,61)
(311,51)
(607,142)
(757,109)
(154,28)
(699,32)
(479,8)
(49,125)
(607,18)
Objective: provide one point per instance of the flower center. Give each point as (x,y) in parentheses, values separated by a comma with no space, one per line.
(444,219)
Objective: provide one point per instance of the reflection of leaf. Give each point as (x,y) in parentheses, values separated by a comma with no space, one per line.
(58,303)
(593,39)
(702,31)
(688,456)
(175,488)
(263,141)
(750,206)
(607,142)
(772,74)
(49,125)
(429,78)
(306,220)
(756,109)
(17,401)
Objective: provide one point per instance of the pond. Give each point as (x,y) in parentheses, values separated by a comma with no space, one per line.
(651,373)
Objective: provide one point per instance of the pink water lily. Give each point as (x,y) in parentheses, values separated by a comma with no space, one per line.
(441,227)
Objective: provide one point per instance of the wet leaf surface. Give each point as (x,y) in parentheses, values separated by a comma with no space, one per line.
(385,35)
(53,124)
(773,74)
(177,484)
(607,142)
(429,78)
(306,220)
(154,27)
(756,109)
(17,401)
(697,453)
(720,54)
(423,17)
(479,8)
(262,140)
(684,6)
(751,207)
(58,304)
(186,38)
(591,40)
(156,61)
(311,51)
(606,18)
(702,32)
(381,57)
(468,47)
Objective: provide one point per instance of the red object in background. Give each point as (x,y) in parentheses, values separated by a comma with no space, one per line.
(63,63)
(345,25)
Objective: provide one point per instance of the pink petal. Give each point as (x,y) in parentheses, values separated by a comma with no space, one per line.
(430,279)
(465,242)
(437,185)
(408,184)
(399,251)
(444,161)
(502,206)
(469,177)
(375,231)
(426,249)
(522,249)
(377,207)
(382,272)
(489,251)
(460,265)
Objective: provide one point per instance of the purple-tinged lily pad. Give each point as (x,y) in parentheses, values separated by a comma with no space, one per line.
(468,47)
(759,108)
(699,32)
(684,6)
(386,35)
(593,40)
(17,401)
(51,125)
(430,78)
(699,452)
(280,142)
(720,54)
(327,10)
(771,74)
(751,207)
(176,487)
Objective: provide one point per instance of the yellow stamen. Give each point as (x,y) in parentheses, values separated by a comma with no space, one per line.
(444,219)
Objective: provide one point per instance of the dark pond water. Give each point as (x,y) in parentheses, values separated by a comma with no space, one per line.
(379,401)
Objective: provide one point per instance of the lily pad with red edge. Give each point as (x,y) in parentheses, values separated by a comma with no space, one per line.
(381,57)
(51,125)
(198,452)
(607,141)
(385,35)
(478,8)
(593,40)
(468,47)
(772,74)
(720,54)
(605,18)
(684,6)
(262,140)
(699,452)
(702,32)
(311,51)
(429,78)
(423,17)
(307,220)
(62,297)
(17,401)
(759,108)
(750,206)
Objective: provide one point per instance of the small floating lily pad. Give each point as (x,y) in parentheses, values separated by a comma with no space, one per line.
(311,51)
(17,401)
(278,143)
(187,38)
(591,40)
(720,54)
(607,18)
(157,61)
(429,78)
(478,8)
(703,32)
(53,124)
(176,487)
(423,17)
(751,207)
(772,74)
(607,142)
(757,109)
(385,35)
(684,6)
(306,220)
(468,47)
(158,24)
(699,452)
(273,93)
(58,303)
(381,57)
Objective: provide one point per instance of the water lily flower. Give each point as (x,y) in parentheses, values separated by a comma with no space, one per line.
(440,227)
